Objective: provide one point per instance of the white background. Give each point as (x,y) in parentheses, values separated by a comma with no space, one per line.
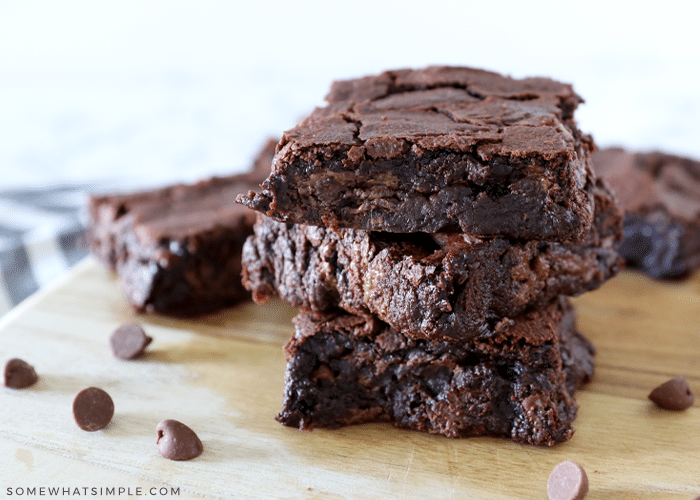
(139,92)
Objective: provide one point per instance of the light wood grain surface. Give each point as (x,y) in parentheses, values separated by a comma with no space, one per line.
(223,376)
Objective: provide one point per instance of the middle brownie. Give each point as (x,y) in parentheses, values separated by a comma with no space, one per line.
(434,286)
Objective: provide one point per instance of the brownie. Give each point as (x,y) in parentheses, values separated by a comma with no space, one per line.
(439,149)
(177,250)
(514,381)
(262,163)
(660,194)
(443,286)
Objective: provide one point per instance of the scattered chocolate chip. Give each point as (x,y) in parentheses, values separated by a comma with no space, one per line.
(176,441)
(568,481)
(128,341)
(92,409)
(673,395)
(19,374)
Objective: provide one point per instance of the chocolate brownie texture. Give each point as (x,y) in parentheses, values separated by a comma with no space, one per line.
(440,149)
(660,194)
(515,381)
(177,250)
(438,286)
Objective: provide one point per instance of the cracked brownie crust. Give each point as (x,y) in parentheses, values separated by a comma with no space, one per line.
(515,381)
(177,250)
(659,194)
(438,149)
(435,286)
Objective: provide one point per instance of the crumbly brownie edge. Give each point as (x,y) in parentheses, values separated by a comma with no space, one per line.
(577,351)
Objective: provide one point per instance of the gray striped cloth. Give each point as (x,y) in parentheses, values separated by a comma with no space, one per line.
(41,237)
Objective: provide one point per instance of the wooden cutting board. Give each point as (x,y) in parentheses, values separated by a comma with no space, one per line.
(223,376)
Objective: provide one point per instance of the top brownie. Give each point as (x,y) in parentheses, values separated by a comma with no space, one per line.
(436,150)
(660,194)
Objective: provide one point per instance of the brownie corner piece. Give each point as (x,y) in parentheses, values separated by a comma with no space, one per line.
(438,149)
(517,382)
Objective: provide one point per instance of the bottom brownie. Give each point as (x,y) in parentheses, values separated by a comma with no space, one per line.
(516,381)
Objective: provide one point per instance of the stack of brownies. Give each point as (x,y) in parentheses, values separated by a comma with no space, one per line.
(429,224)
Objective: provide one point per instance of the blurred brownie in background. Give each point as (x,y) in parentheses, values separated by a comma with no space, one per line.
(660,194)
(177,249)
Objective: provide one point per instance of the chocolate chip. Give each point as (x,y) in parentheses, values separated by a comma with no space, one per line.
(128,341)
(568,481)
(673,395)
(531,404)
(92,409)
(19,374)
(176,441)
